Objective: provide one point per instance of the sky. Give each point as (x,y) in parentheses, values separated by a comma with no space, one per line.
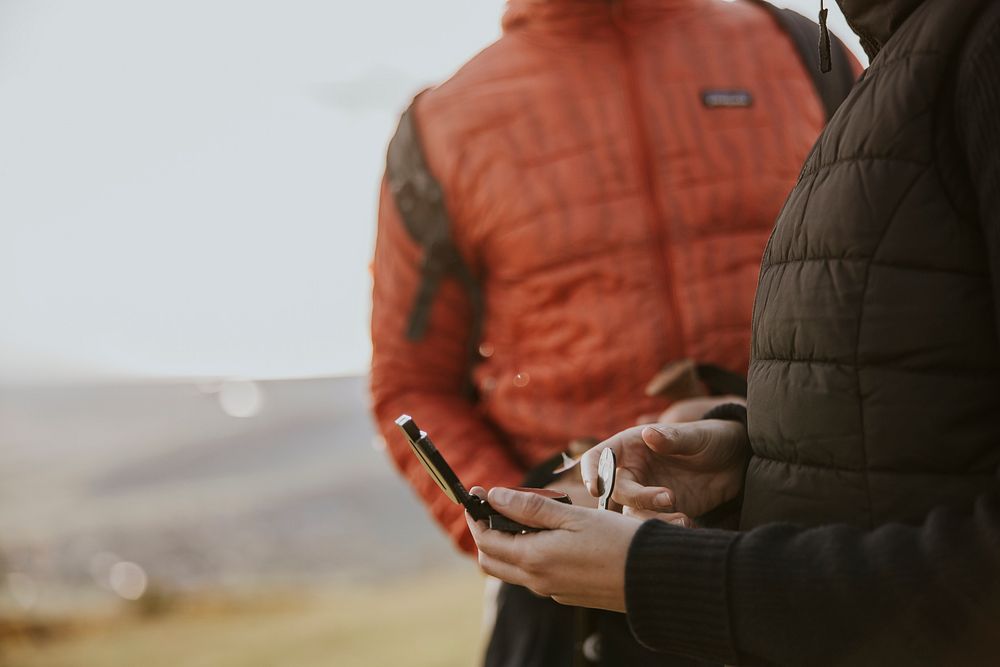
(188,188)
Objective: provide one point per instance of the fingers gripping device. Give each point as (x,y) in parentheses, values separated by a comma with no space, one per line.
(452,486)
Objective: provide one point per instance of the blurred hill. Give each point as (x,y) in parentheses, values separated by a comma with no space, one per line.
(165,476)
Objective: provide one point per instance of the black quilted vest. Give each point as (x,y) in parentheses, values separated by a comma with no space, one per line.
(875,370)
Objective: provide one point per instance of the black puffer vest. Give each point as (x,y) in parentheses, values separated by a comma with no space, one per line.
(875,371)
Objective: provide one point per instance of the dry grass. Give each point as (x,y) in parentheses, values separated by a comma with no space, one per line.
(432,622)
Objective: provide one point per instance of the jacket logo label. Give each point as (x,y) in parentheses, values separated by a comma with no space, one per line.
(722,99)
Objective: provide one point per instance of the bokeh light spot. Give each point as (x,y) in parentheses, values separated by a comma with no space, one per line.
(128,580)
(240,398)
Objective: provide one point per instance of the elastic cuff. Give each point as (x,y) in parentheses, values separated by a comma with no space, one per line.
(676,591)
(732,412)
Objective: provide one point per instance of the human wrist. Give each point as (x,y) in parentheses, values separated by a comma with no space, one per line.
(731,486)
(736,414)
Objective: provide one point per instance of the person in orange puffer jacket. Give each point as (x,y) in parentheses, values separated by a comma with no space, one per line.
(611,170)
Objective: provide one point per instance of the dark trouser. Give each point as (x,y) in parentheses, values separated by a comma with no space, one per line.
(532,631)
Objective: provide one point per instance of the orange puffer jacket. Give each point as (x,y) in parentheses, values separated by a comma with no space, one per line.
(615,217)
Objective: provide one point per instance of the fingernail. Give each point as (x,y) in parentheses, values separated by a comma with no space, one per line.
(501,496)
(663,499)
(680,522)
(653,433)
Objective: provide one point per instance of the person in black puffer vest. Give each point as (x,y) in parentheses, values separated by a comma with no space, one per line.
(868,491)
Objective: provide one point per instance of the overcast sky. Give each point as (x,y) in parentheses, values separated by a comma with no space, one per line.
(188,188)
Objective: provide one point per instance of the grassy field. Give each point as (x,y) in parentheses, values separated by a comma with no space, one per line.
(434,621)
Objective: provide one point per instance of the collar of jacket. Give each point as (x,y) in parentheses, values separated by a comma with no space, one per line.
(875,21)
(578,17)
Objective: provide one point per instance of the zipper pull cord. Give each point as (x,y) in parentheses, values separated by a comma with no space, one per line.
(825,61)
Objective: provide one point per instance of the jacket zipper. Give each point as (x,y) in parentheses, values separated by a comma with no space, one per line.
(655,216)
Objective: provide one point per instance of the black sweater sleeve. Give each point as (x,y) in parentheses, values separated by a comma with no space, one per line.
(834,595)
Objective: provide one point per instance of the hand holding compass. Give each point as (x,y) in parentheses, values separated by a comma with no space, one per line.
(606,471)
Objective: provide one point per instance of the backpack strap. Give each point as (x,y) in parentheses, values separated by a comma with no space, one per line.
(420,201)
(832,87)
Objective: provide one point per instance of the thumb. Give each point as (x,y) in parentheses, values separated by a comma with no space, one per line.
(677,439)
(531,509)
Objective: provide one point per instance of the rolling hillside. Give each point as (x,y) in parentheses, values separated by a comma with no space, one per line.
(160,475)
